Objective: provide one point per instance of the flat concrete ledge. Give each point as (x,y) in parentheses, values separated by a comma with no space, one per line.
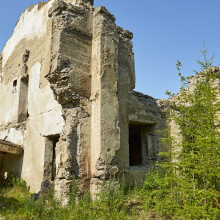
(11,148)
(136,174)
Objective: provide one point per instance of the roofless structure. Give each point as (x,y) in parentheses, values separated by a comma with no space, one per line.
(68,105)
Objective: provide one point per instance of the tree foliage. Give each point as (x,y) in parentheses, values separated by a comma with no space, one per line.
(194,159)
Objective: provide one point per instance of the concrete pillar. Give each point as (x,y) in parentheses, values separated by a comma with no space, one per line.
(105,132)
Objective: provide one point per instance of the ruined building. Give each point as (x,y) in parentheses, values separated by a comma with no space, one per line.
(67,102)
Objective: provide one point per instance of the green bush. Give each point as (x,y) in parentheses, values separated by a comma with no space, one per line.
(193,163)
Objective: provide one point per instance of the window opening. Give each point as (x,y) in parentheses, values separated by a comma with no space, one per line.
(135,155)
(23,99)
(14,90)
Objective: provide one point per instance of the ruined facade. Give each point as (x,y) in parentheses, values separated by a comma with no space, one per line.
(67,102)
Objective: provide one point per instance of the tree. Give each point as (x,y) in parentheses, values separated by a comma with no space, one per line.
(193,163)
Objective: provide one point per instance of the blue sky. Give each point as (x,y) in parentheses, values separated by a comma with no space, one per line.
(164,31)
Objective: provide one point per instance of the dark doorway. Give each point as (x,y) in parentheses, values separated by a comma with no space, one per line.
(50,157)
(135,156)
(55,140)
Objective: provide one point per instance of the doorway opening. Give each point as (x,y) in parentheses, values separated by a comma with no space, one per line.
(135,149)
(50,157)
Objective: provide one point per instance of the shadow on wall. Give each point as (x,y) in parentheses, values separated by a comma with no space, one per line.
(11,164)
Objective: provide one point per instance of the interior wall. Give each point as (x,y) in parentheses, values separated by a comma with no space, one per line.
(12,164)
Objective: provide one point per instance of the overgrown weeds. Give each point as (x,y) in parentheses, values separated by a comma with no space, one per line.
(193,160)
(114,201)
(157,197)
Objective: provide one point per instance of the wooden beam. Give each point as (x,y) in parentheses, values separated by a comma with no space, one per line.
(11,148)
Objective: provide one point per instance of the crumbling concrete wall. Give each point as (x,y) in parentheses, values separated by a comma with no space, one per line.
(14,133)
(70,80)
(68,77)
(105,131)
(85,3)
(26,58)
(115,105)
(193,80)
(150,114)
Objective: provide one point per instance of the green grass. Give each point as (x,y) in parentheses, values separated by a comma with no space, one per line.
(112,203)
(155,198)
